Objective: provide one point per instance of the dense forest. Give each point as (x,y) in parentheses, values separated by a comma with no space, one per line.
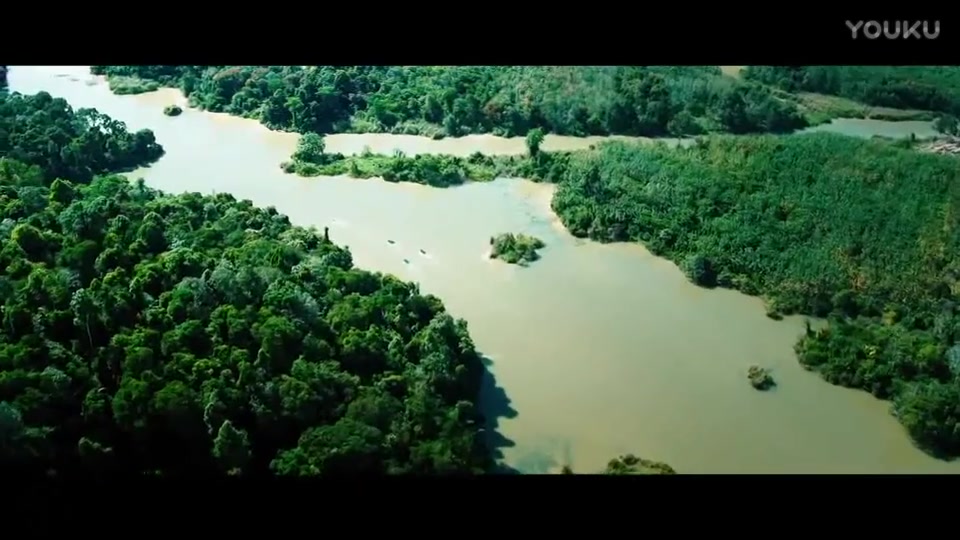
(864,232)
(161,334)
(932,88)
(45,131)
(458,100)
(154,333)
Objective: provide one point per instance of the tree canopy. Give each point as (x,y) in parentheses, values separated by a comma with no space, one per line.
(157,333)
(932,88)
(45,131)
(864,232)
(515,248)
(149,333)
(631,464)
(458,100)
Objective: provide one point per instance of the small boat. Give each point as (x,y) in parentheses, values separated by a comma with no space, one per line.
(422,252)
(406,261)
(391,242)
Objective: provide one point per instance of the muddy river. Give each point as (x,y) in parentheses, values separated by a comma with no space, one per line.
(596,350)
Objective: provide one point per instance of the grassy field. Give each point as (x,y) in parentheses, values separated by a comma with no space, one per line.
(822,108)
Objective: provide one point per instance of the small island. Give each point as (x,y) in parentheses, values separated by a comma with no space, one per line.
(129,86)
(518,249)
(760,378)
(630,464)
(172,110)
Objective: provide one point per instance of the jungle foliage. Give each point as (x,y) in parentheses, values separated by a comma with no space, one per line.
(518,248)
(150,333)
(458,100)
(46,132)
(930,88)
(864,232)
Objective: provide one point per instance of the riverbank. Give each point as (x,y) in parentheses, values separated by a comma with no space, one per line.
(435,170)
(949,146)
(270,367)
(592,194)
(821,109)
(570,100)
(459,100)
(672,367)
(903,88)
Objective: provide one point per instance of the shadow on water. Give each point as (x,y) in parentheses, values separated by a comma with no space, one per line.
(495,405)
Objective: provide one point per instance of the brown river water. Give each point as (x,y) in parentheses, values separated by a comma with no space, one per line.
(596,350)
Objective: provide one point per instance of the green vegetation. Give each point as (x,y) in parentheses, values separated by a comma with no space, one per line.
(948,125)
(121,85)
(760,378)
(310,160)
(631,464)
(504,100)
(928,88)
(821,108)
(515,248)
(172,110)
(857,231)
(45,131)
(311,148)
(432,170)
(238,343)
(861,232)
(3,78)
(148,333)
(864,232)
(534,139)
